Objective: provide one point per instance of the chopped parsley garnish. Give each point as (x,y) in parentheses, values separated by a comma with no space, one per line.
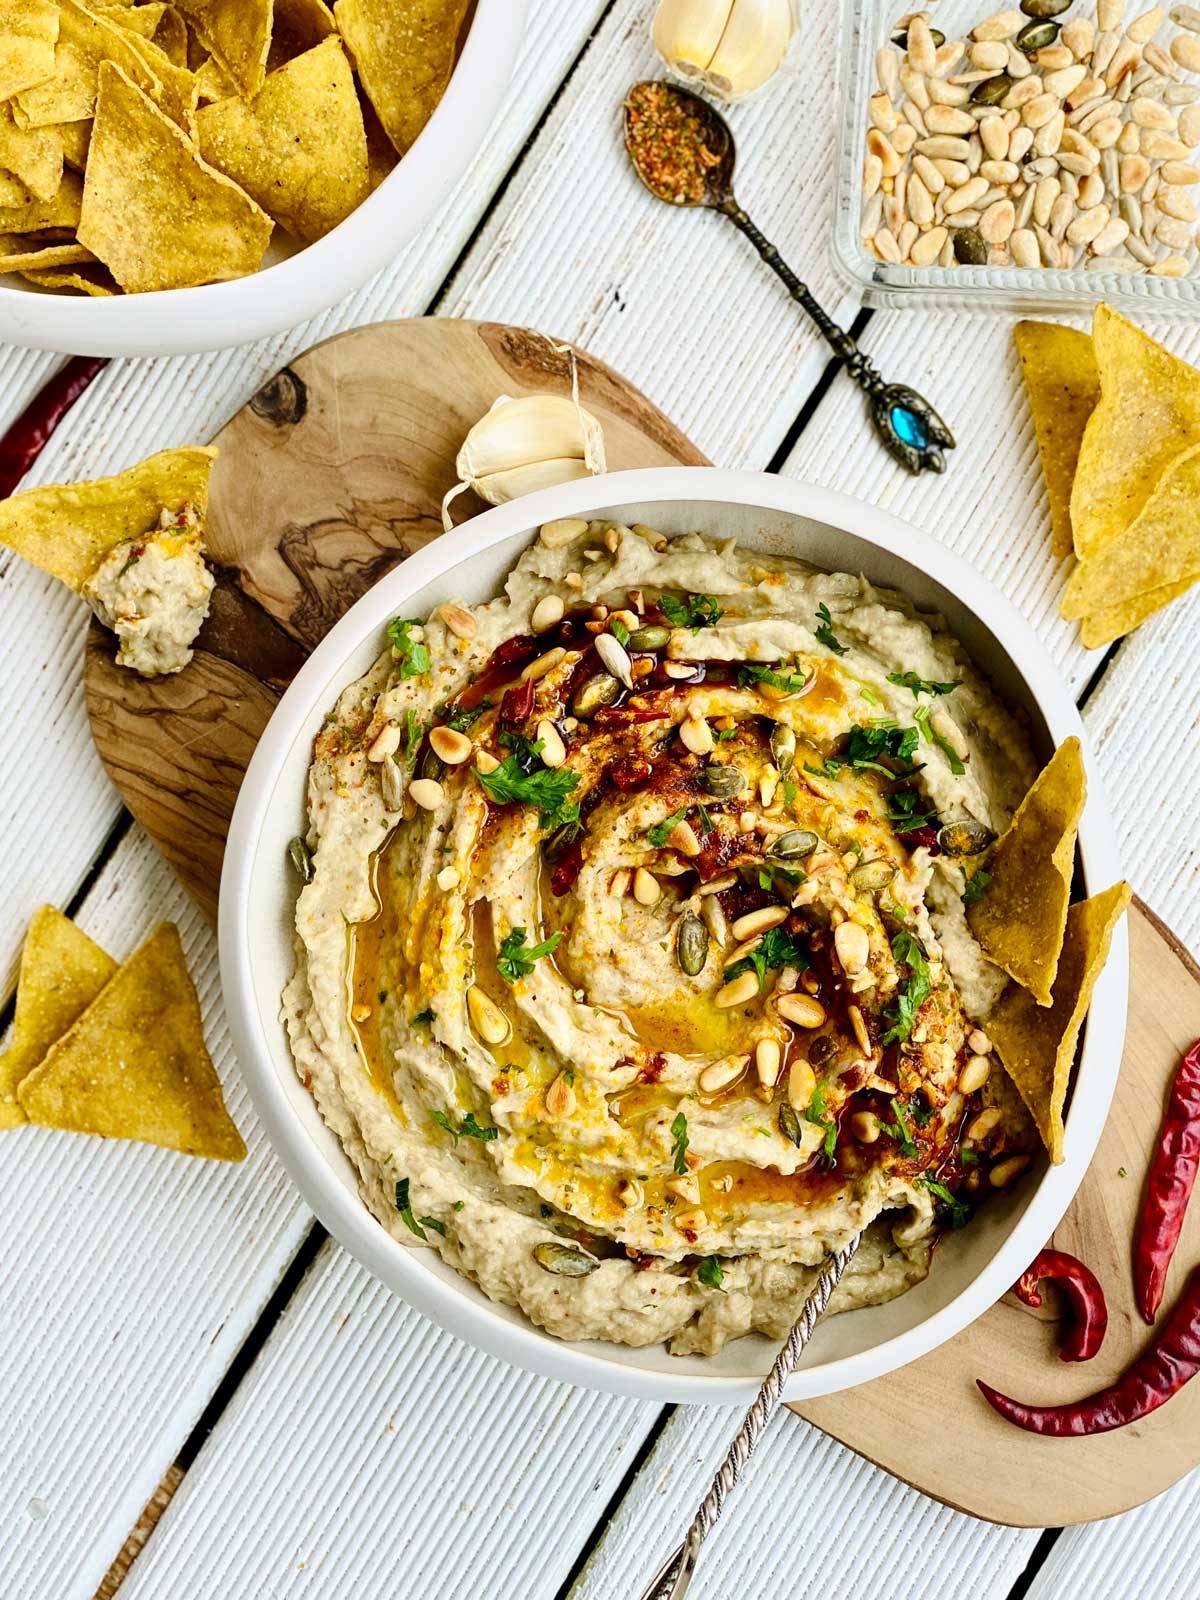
(710,1272)
(432,1222)
(824,632)
(468,1128)
(458,1205)
(921,718)
(517,959)
(1121,1172)
(527,751)
(404,1207)
(868,694)
(829,768)
(679,1138)
(414,732)
(818,1113)
(869,746)
(545,1211)
(428,1015)
(789,682)
(694,611)
(905,814)
(661,831)
(920,686)
(546,789)
(906,948)
(706,822)
(413,657)
(460,721)
(922,1111)
(721,734)
(778,949)
(619,631)
(951,1209)
(789,792)
(974,887)
(768,876)
(899,1130)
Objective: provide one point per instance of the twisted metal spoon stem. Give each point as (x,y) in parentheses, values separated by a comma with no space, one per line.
(672,1579)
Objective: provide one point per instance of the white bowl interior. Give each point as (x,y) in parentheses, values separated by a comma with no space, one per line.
(972,1268)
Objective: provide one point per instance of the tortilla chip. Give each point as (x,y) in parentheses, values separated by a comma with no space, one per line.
(211,82)
(299,147)
(1037,1044)
(405,52)
(34,155)
(299,25)
(18,252)
(1149,411)
(381,152)
(179,92)
(1020,917)
(76,137)
(28,31)
(238,32)
(157,215)
(96,280)
(85,39)
(68,529)
(34,216)
(61,973)
(1113,622)
(171,37)
(141,19)
(12,192)
(1063,384)
(134,1065)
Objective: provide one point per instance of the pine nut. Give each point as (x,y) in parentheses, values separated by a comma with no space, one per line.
(719,1075)
(618,884)
(560,1099)
(801,1009)
(554,535)
(718,885)
(539,667)
(978,1042)
(979,1127)
(459,621)
(629,1194)
(448,878)
(737,992)
(547,614)
(647,890)
(489,1021)
(554,751)
(485,762)
(756,922)
(682,837)
(801,1085)
(1186,51)
(450,746)
(853,946)
(696,735)
(427,793)
(1001,25)
(385,743)
(864,1125)
(974,1075)
(928,247)
(858,1023)
(1008,1171)
(767,1059)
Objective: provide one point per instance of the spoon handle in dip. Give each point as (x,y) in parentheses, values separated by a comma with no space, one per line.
(673,1577)
(909,427)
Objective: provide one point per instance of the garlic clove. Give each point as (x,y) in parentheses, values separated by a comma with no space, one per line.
(536,427)
(686,33)
(752,47)
(498,487)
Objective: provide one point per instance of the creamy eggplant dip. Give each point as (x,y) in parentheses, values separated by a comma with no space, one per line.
(633,971)
(153,592)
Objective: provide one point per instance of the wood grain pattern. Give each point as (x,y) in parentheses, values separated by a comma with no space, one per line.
(330,476)
(980,1463)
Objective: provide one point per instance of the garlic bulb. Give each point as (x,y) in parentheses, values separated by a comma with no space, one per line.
(729,47)
(526,444)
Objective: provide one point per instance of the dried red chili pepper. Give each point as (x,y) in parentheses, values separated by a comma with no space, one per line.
(631,772)
(1169,1186)
(620,715)
(567,870)
(26,438)
(1089,1314)
(499,668)
(1159,1372)
(517,705)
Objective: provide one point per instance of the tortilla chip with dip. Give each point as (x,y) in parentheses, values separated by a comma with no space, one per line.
(134,1064)
(68,529)
(61,973)
(1148,412)
(1063,384)
(28,32)
(298,148)
(34,155)
(154,212)
(1037,1044)
(86,39)
(404,51)
(238,33)
(1020,917)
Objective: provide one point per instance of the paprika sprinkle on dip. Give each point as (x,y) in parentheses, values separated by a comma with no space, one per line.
(666,134)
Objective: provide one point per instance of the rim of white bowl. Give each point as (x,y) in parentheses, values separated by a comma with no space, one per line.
(340,1210)
(215,316)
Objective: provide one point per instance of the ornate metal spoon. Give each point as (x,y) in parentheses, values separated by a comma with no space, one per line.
(673,1577)
(683,151)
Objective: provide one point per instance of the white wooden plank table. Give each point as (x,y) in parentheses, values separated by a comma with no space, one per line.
(161,1318)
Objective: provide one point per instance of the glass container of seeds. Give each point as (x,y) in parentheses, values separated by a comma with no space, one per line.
(1037,156)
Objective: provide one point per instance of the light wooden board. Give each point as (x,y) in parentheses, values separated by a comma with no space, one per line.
(332,474)
(1032,1481)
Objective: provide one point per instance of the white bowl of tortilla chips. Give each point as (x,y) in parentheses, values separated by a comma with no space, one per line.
(192,175)
(974,1266)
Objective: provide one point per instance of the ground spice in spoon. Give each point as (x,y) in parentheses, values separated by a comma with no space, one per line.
(665,136)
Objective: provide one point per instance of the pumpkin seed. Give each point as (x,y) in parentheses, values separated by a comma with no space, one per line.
(601,690)
(821,1050)
(721,781)
(872,875)
(792,845)
(969,248)
(1044,8)
(783,748)
(1036,36)
(301,858)
(691,947)
(990,91)
(652,638)
(565,1260)
(966,838)
(936,34)
(789,1124)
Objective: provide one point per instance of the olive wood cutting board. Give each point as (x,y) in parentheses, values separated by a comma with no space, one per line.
(333,473)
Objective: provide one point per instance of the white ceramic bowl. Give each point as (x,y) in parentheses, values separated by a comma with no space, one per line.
(974,1267)
(297,283)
